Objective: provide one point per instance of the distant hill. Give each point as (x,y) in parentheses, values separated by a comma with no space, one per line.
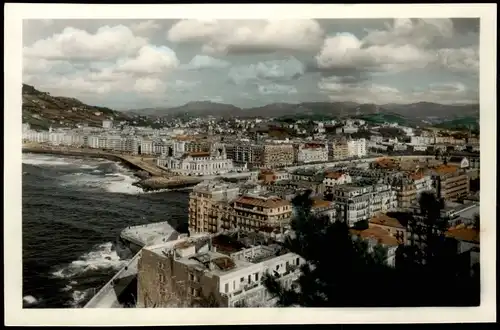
(413,113)
(42,110)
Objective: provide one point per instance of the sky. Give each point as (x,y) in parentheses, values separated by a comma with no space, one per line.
(133,64)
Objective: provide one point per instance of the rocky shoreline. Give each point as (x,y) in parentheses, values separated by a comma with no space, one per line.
(146,181)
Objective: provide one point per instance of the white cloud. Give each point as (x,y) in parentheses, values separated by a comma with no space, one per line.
(446,93)
(247,36)
(75,44)
(145,26)
(151,59)
(200,62)
(276,70)
(459,60)
(276,89)
(346,51)
(418,32)
(149,85)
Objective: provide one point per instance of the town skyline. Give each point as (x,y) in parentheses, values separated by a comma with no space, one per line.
(130,64)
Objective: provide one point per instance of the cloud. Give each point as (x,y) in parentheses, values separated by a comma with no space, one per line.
(459,60)
(417,32)
(345,51)
(149,85)
(202,62)
(276,89)
(150,59)
(145,26)
(183,86)
(248,36)
(274,70)
(366,92)
(75,44)
(38,66)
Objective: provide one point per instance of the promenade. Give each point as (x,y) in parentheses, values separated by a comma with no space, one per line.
(133,161)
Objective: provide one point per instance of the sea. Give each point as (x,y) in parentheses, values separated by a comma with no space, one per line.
(73,211)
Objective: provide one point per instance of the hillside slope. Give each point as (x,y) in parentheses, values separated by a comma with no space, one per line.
(42,110)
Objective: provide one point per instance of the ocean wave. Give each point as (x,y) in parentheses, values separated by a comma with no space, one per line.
(78,297)
(38,160)
(103,257)
(30,300)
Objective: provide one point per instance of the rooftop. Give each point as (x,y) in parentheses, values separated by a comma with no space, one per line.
(320,203)
(149,234)
(445,169)
(382,236)
(463,233)
(384,220)
(334,175)
(262,202)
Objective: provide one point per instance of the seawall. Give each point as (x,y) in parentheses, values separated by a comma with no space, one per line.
(84,153)
(150,178)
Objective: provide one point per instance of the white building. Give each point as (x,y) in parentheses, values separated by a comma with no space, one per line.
(336,178)
(312,152)
(356,148)
(362,202)
(214,162)
(107,124)
(186,269)
(146,146)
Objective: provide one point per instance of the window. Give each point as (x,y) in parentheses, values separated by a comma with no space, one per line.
(256,276)
(161,277)
(297,261)
(226,289)
(242,279)
(249,278)
(277,267)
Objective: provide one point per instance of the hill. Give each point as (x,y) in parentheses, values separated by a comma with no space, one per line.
(42,110)
(412,114)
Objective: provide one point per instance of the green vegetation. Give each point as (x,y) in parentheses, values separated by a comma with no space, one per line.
(380,118)
(338,265)
(463,123)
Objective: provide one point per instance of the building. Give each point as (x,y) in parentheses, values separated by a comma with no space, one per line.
(379,237)
(336,178)
(272,176)
(214,162)
(340,150)
(356,148)
(453,183)
(391,225)
(252,212)
(362,201)
(277,155)
(246,153)
(107,124)
(312,152)
(214,271)
(201,201)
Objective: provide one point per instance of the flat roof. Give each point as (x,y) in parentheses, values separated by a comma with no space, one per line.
(150,234)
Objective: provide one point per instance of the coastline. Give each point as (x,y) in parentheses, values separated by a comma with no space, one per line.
(147,180)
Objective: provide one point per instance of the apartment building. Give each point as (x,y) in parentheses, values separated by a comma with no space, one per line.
(340,150)
(409,187)
(312,152)
(246,153)
(254,212)
(277,155)
(356,148)
(201,201)
(226,273)
(452,181)
(361,201)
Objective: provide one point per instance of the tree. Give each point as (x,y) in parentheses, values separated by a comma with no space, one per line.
(333,259)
